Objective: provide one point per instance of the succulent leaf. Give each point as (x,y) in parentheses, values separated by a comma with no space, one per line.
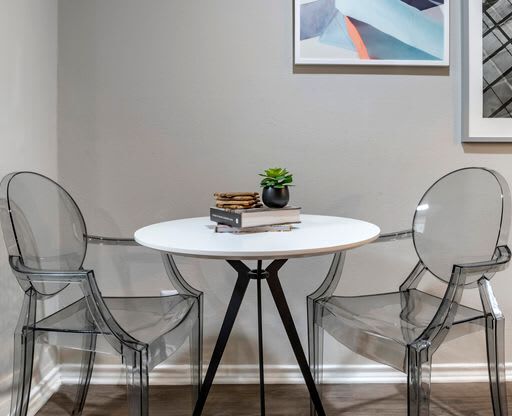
(276,178)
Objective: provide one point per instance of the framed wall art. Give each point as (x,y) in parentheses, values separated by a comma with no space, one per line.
(487,71)
(372,32)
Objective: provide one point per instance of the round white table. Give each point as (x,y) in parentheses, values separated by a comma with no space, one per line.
(315,235)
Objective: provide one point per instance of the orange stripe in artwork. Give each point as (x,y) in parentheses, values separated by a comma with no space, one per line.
(357,39)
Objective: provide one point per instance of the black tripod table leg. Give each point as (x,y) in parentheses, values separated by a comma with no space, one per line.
(293,336)
(229,320)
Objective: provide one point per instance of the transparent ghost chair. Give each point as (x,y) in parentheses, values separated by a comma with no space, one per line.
(46,239)
(460,232)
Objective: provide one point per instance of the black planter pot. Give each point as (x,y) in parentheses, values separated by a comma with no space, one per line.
(275,198)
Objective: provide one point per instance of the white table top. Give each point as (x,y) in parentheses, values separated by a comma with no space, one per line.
(315,235)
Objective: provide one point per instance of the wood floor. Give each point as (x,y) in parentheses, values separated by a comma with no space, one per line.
(282,400)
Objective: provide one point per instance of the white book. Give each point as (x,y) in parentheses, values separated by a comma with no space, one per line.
(221,228)
(255,217)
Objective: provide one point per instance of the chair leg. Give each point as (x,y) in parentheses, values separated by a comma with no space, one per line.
(22,381)
(418,379)
(495,336)
(24,343)
(316,349)
(88,356)
(137,382)
(196,358)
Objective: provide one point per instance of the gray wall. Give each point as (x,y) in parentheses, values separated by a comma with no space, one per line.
(28,133)
(162,103)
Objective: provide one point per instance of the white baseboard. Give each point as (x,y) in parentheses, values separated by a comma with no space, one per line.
(42,392)
(39,394)
(285,374)
(111,374)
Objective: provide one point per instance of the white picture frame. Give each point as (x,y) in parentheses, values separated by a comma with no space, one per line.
(476,127)
(313,52)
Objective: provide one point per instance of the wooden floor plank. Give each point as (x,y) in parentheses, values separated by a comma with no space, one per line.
(470,399)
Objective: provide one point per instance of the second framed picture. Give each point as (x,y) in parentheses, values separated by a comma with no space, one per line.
(372,32)
(487,71)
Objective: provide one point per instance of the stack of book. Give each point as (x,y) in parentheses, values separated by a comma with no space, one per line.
(254,219)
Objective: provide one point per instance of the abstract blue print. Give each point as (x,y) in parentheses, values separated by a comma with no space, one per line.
(410,32)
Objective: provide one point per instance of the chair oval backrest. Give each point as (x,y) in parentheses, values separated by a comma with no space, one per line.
(462,218)
(42,224)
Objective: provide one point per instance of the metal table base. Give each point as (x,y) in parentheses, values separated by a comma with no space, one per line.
(270,274)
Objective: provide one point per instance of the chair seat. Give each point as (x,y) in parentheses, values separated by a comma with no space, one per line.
(150,320)
(380,327)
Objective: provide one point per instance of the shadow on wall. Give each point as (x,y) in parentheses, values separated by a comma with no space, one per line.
(489,148)
(371,70)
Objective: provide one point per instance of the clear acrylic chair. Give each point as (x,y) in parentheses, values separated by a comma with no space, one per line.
(46,239)
(460,231)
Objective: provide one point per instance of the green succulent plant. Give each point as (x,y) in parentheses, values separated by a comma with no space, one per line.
(276,178)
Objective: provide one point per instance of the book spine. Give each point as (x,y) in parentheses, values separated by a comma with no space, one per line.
(224,217)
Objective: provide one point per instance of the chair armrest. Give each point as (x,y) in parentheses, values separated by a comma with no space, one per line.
(501,261)
(438,328)
(111,241)
(35,275)
(394,236)
(117,336)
